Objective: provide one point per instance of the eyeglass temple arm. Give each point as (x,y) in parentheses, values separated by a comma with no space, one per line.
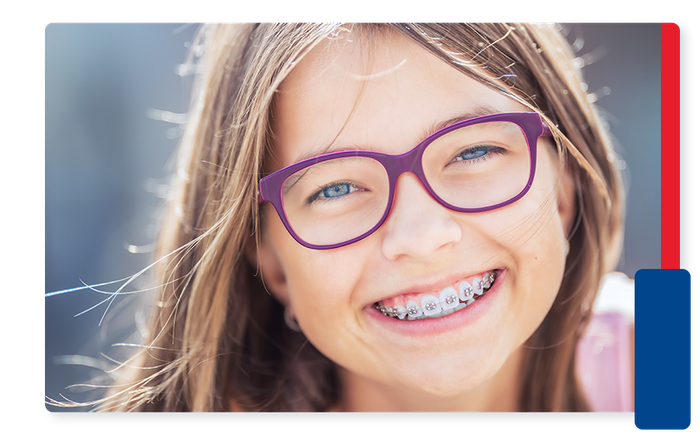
(261,199)
(546,131)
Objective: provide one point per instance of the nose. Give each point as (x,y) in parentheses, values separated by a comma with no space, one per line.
(418,226)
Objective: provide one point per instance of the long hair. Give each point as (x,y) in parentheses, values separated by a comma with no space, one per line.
(217,338)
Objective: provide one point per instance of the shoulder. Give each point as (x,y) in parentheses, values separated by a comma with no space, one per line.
(605,353)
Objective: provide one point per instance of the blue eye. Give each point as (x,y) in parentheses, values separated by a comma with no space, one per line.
(332,191)
(479,153)
(336,191)
(472,153)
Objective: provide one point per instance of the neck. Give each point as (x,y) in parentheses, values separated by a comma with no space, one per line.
(498,394)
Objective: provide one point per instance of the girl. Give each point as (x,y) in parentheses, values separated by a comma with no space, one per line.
(380,218)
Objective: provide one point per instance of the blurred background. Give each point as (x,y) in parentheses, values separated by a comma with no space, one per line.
(116,96)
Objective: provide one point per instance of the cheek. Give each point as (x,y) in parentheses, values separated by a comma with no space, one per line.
(321,289)
(530,231)
(531,239)
(532,227)
(319,282)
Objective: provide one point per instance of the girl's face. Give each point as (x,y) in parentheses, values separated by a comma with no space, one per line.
(387,99)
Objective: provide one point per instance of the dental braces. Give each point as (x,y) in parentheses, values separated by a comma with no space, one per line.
(443,305)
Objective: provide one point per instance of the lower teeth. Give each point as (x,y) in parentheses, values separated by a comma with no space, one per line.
(435,309)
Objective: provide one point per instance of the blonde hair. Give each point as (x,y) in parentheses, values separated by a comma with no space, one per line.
(219,341)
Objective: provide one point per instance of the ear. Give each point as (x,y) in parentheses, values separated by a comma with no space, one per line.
(566,199)
(268,263)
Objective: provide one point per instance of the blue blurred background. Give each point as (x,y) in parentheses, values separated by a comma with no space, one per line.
(109,143)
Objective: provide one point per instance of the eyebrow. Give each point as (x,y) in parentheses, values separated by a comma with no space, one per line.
(322,151)
(292,180)
(478,111)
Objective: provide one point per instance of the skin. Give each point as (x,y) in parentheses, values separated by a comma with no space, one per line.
(467,366)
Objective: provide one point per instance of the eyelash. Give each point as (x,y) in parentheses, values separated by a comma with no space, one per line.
(490,151)
(315,196)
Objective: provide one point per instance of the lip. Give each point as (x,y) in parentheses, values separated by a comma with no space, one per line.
(435,287)
(389,326)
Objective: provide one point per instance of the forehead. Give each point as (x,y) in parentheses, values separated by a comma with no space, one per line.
(380,93)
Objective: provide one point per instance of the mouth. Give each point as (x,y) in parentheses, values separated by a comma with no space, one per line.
(438,304)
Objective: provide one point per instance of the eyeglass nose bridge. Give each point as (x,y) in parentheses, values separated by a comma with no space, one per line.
(409,162)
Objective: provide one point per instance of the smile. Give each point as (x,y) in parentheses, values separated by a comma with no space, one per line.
(447,302)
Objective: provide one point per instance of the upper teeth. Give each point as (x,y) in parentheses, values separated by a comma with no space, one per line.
(448,301)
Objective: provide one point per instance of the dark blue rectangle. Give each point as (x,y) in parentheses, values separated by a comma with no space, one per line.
(662,349)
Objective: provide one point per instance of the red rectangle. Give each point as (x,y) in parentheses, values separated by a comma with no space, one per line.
(670,146)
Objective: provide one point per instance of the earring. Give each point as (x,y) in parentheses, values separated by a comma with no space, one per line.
(290,321)
(566,247)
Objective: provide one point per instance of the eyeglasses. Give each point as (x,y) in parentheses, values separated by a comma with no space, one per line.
(472,166)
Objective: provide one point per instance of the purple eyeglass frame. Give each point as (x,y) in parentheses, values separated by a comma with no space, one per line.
(395,165)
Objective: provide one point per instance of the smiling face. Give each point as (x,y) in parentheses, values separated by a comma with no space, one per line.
(387,100)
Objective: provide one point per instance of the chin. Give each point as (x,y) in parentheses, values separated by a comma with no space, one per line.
(453,377)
